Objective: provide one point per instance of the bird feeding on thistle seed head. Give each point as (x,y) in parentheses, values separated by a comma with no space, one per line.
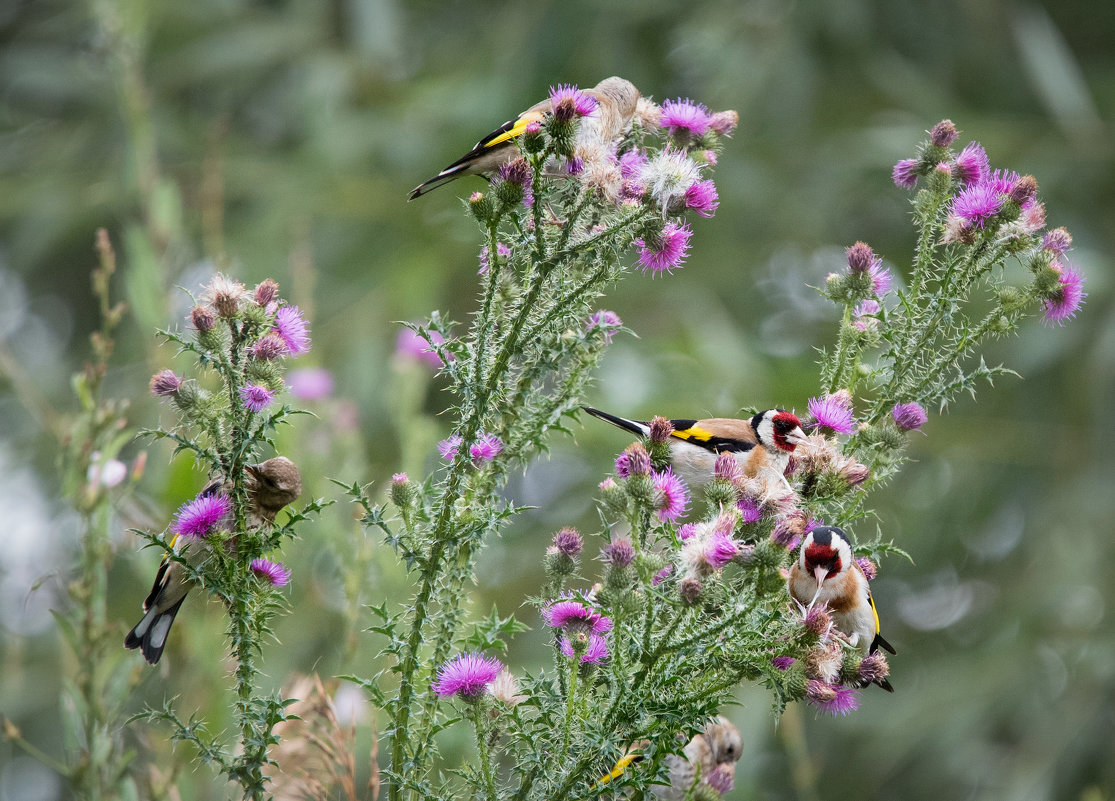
(826,573)
(605,110)
(270,486)
(762,444)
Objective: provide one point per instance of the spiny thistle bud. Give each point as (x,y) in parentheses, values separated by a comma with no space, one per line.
(269,347)
(873,668)
(203,318)
(727,467)
(721,493)
(619,553)
(660,429)
(266,292)
(481,207)
(1058,241)
(189,398)
(690,590)
(794,681)
(165,384)
(532,139)
(568,541)
(860,257)
(634,461)
(853,472)
(940,177)
(909,416)
(403,491)
(613,496)
(943,133)
(768,555)
(557,564)
(869,568)
(817,621)
(264,372)
(705,792)
(512,184)
(790,529)
(1011,298)
(1024,190)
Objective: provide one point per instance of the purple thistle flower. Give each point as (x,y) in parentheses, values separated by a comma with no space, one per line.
(972,164)
(256,397)
(722,778)
(517,172)
(448,447)
(783,662)
(670,494)
(581,104)
(270,347)
(631,163)
(568,541)
(409,344)
(574,611)
(595,653)
(909,416)
(165,384)
(905,173)
(1002,181)
(619,553)
(830,699)
(866,307)
(720,550)
(880,278)
(634,461)
(668,252)
(660,429)
(203,318)
(1058,241)
(1067,300)
(833,412)
(310,383)
(197,518)
(399,478)
(686,531)
(604,321)
(868,567)
(466,675)
(861,257)
(485,449)
(686,118)
(702,197)
(661,575)
(817,620)
(749,510)
(943,133)
(727,467)
(292,327)
(274,573)
(873,668)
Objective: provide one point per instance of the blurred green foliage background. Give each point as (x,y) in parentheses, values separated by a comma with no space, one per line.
(280,137)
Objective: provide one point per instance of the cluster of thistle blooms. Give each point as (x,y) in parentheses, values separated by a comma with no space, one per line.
(638,171)
(983,208)
(245,338)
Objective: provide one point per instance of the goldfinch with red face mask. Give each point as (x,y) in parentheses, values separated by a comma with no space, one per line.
(614,99)
(762,444)
(826,573)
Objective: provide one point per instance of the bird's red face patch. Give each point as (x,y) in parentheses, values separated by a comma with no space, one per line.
(784,423)
(825,556)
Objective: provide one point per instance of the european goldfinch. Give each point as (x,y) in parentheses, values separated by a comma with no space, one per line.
(271,485)
(826,573)
(709,758)
(762,444)
(615,106)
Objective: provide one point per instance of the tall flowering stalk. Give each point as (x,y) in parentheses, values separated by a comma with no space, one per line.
(558,223)
(242,341)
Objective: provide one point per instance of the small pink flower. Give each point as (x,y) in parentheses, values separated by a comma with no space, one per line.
(486,448)
(671,495)
(1064,303)
(274,573)
(668,252)
(198,518)
(292,327)
(256,397)
(466,675)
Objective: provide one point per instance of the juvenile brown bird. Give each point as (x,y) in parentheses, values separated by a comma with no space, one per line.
(826,573)
(762,444)
(270,485)
(615,105)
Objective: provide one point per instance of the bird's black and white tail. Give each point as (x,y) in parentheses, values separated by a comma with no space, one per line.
(634,426)
(149,634)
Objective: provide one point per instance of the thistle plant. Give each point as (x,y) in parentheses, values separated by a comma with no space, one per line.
(225,540)
(557,223)
(691,597)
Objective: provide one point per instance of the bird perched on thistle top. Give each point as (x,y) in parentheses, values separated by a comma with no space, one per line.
(615,105)
(270,486)
(762,444)
(708,759)
(826,573)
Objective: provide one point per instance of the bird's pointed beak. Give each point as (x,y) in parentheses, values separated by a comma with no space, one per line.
(820,574)
(797,437)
